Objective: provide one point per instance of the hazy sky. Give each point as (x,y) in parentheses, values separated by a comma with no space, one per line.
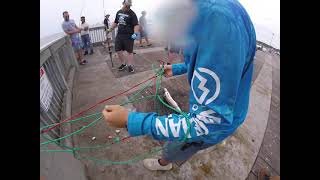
(265,14)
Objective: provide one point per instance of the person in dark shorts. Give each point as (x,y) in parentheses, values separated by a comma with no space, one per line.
(128,31)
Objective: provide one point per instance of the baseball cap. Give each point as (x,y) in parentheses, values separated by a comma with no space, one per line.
(128,2)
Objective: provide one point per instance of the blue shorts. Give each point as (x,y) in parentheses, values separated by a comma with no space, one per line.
(181,151)
(76,44)
(144,34)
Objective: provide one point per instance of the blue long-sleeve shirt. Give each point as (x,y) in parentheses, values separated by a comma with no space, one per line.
(219,65)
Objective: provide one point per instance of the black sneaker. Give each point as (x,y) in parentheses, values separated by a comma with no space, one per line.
(130,69)
(121,68)
(91,52)
(85,53)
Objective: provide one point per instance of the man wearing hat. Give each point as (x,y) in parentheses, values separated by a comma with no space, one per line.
(106,23)
(128,31)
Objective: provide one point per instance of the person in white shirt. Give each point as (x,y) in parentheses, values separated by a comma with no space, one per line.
(85,36)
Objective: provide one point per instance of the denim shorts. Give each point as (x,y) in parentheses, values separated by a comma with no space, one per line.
(76,44)
(182,151)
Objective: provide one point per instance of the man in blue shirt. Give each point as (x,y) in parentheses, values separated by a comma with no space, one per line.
(218,57)
(71,29)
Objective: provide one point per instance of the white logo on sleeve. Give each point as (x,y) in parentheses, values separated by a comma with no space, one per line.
(203,82)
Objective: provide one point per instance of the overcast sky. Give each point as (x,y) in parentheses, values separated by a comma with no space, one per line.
(265,14)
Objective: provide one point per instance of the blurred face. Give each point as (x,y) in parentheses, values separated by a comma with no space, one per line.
(83,20)
(66,16)
(126,6)
(173,20)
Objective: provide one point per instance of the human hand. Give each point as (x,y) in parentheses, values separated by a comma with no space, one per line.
(167,70)
(109,30)
(135,36)
(116,116)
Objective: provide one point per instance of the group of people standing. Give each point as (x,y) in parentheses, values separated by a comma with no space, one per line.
(219,67)
(78,44)
(129,30)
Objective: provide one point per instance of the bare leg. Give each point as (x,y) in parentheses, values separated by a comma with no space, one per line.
(130,59)
(109,41)
(80,55)
(77,56)
(120,54)
(140,41)
(147,40)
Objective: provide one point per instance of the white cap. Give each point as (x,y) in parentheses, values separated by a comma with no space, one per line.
(128,2)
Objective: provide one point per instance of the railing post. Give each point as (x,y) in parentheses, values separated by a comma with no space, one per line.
(71,54)
(56,58)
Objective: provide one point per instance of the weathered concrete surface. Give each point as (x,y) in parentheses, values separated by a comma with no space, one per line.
(95,82)
(60,166)
(269,154)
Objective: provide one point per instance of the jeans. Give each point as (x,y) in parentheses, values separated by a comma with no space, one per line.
(86,42)
(181,151)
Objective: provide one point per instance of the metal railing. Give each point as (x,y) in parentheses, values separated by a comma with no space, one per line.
(56,62)
(98,35)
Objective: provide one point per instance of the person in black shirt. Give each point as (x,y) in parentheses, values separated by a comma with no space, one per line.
(128,31)
(106,23)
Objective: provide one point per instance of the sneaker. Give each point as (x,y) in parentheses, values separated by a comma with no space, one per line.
(141,46)
(85,53)
(121,68)
(154,165)
(130,69)
(91,52)
(149,44)
(222,144)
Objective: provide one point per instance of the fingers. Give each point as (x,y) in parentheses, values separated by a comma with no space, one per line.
(110,108)
(105,114)
(165,66)
(107,111)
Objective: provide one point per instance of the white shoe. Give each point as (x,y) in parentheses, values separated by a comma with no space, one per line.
(222,144)
(153,165)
